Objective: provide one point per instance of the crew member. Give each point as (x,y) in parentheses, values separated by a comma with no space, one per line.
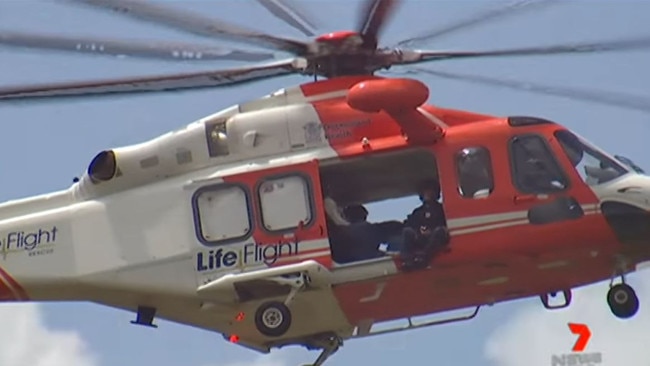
(364,236)
(425,228)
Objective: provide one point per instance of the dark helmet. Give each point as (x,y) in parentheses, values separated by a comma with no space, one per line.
(429,184)
(355,213)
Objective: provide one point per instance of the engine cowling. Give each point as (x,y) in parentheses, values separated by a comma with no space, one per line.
(127,167)
(391,95)
(399,98)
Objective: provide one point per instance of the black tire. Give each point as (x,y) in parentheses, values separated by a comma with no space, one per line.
(273,319)
(623,301)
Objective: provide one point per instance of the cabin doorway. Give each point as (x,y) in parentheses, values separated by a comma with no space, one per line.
(383,186)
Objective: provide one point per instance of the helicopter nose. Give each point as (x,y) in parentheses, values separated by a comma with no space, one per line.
(628,211)
(630,223)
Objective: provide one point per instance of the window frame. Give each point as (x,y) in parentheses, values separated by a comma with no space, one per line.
(553,160)
(307,179)
(196,213)
(459,174)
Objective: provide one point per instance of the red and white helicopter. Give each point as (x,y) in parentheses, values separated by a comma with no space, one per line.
(239,217)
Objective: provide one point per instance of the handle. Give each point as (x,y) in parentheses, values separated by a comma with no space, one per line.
(525,198)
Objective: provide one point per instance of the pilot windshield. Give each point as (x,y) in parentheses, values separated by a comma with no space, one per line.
(630,164)
(593,165)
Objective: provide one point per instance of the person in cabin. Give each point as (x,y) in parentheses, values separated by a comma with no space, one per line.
(367,238)
(425,229)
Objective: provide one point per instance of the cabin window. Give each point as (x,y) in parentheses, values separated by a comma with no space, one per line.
(285,202)
(217,137)
(534,168)
(593,166)
(222,213)
(474,168)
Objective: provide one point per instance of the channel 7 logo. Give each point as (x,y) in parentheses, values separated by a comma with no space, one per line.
(578,356)
(584,335)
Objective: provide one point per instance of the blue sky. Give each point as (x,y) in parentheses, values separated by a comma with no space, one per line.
(45,145)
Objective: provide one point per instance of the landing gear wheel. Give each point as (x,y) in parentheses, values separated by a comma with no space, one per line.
(273,319)
(622,301)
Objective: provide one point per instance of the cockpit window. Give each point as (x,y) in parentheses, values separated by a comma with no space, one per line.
(534,167)
(593,166)
(630,164)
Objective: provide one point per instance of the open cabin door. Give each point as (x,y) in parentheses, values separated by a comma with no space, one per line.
(260,219)
(289,213)
(268,254)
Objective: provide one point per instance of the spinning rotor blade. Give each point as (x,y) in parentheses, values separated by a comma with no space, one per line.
(614,99)
(482,18)
(290,15)
(374,16)
(195,23)
(131,48)
(195,80)
(407,56)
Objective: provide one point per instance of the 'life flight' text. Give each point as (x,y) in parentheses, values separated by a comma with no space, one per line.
(248,254)
(28,240)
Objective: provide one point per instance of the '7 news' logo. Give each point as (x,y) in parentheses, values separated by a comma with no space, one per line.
(578,357)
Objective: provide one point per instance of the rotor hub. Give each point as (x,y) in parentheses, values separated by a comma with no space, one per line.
(340,37)
(342,53)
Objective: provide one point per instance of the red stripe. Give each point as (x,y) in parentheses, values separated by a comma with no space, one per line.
(18,292)
(488,224)
(6,293)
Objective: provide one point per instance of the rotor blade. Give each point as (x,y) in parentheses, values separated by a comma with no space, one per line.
(605,97)
(160,83)
(416,56)
(131,48)
(373,17)
(290,15)
(195,23)
(482,18)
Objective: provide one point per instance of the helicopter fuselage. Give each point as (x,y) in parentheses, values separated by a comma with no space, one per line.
(206,224)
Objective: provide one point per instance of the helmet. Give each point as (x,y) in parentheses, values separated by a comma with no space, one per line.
(429,184)
(355,213)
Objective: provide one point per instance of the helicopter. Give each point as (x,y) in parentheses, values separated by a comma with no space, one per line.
(239,217)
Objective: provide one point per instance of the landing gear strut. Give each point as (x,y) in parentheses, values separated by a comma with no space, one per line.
(329,345)
(622,300)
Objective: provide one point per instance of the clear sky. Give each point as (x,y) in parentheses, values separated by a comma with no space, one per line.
(45,145)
